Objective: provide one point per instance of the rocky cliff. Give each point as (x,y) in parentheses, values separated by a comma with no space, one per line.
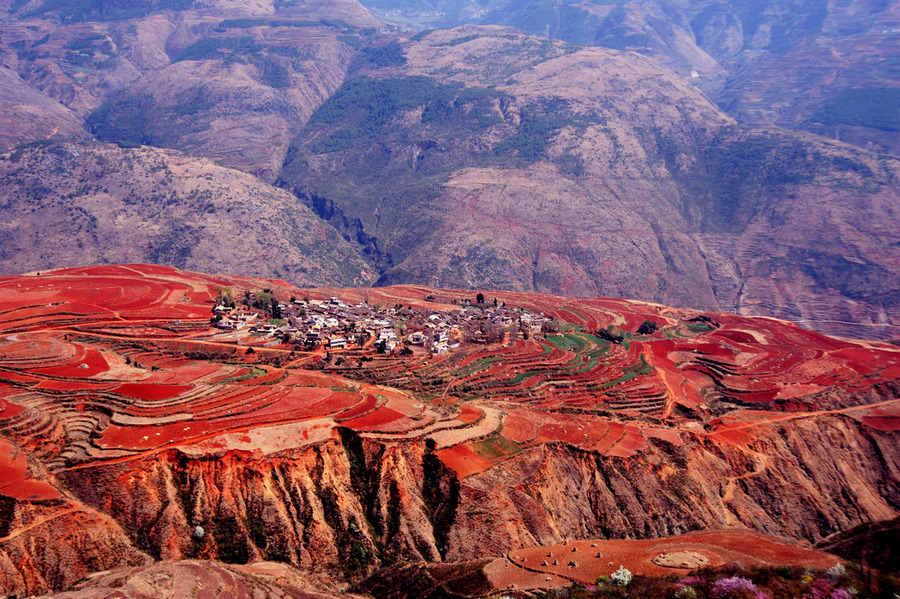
(351,503)
(54,544)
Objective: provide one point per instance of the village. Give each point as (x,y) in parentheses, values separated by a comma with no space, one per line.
(329,325)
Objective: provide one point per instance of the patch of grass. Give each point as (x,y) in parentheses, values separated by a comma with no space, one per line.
(218,47)
(496,447)
(385,55)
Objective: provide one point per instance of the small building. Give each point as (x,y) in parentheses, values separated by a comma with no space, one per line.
(226,324)
(336,342)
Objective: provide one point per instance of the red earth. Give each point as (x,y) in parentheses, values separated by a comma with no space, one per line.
(48,346)
(601,558)
(16,480)
(80,387)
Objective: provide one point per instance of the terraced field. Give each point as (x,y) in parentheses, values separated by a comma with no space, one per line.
(93,367)
(110,375)
(602,386)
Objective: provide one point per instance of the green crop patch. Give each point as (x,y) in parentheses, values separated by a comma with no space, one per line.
(496,447)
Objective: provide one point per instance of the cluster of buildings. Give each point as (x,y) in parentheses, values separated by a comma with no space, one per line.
(331,325)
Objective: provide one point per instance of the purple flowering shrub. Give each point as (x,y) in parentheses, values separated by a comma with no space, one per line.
(736,587)
(823,588)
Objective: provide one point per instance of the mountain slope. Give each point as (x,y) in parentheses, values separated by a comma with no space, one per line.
(70,204)
(492,158)
(825,67)
(29,115)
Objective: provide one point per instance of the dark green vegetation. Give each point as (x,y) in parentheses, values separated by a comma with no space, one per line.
(561,20)
(878,108)
(101,10)
(742,172)
(862,281)
(366,109)
(135,118)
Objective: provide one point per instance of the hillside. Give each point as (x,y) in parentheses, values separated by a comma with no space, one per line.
(826,67)
(140,431)
(93,203)
(492,158)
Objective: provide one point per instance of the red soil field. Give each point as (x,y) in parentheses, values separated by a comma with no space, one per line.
(666,434)
(290,404)
(613,432)
(361,408)
(631,443)
(9,409)
(469,414)
(375,420)
(16,481)
(53,385)
(568,430)
(886,423)
(884,418)
(463,460)
(15,377)
(91,363)
(151,391)
(187,373)
(519,426)
(720,547)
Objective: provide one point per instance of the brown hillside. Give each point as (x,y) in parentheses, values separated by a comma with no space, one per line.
(94,203)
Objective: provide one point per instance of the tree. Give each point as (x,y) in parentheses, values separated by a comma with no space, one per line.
(647,327)
(225,296)
(479,299)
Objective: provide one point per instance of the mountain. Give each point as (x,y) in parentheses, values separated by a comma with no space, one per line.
(826,67)
(72,203)
(134,435)
(472,157)
(493,158)
(233,89)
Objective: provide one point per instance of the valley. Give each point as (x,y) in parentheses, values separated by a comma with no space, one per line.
(506,299)
(478,156)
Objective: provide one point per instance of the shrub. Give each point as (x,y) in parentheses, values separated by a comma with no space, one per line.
(735,587)
(621,577)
